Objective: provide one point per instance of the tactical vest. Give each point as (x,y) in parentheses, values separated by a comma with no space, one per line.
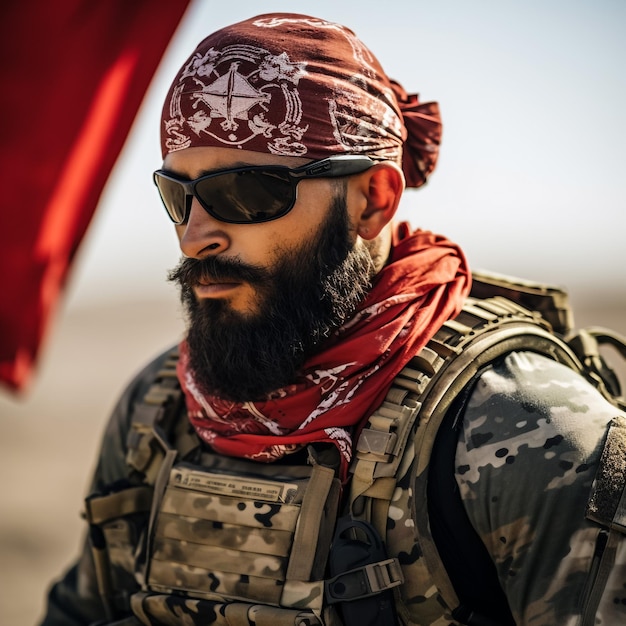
(198,538)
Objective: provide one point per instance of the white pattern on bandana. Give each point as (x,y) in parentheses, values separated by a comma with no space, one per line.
(231,91)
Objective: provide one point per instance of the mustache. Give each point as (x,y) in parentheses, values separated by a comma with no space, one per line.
(190,272)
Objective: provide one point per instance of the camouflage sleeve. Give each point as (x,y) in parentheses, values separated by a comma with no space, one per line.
(74,600)
(529,449)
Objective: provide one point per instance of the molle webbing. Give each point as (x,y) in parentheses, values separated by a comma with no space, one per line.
(157,424)
(109,531)
(151,608)
(244,531)
(483,331)
(102,509)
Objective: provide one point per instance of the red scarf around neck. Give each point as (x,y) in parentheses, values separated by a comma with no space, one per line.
(424,283)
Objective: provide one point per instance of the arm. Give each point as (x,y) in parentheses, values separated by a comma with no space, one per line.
(528,453)
(75,600)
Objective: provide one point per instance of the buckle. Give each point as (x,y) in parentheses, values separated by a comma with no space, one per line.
(364,581)
(377,442)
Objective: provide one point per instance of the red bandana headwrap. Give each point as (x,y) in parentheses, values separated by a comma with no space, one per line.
(423,285)
(295,85)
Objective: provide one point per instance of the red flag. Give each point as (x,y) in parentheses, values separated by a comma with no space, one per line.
(73,76)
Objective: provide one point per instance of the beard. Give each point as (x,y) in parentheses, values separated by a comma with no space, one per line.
(306,296)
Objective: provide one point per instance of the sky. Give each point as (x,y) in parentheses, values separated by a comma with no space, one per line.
(531,177)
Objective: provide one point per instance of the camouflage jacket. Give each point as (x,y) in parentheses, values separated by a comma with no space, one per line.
(527,447)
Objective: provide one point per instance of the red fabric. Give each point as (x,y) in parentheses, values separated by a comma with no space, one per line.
(297,85)
(73,75)
(423,136)
(424,284)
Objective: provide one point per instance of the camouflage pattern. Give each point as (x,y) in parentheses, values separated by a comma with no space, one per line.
(225,538)
(530,440)
(171,610)
(527,456)
(274,542)
(419,598)
(528,449)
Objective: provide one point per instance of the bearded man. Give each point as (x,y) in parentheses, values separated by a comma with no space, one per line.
(286,150)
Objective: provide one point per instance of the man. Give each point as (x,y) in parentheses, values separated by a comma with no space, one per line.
(286,150)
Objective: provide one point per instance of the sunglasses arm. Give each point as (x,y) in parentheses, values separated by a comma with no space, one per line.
(335,166)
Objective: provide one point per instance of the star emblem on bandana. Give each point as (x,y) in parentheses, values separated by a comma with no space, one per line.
(236,95)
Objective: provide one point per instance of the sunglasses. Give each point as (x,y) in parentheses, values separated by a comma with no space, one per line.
(249,195)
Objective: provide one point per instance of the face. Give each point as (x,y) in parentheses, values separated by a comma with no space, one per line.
(261,245)
(261,298)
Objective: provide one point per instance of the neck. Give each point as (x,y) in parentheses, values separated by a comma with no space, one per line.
(380,248)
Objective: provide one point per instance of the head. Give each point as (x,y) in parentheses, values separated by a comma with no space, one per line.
(276,261)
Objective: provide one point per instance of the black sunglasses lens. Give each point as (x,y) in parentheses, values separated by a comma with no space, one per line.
(173,196)
(247,196)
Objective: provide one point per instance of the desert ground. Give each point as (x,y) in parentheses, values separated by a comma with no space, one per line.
(49,435)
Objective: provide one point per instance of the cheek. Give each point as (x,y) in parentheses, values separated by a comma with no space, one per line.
(291,232)
(307,216)
(289,240)
(289,237)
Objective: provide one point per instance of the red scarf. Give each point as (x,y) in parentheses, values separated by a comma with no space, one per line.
(423,285)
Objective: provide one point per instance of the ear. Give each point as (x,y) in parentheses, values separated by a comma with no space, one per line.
(377,193)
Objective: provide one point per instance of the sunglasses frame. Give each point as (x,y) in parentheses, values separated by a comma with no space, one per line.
(329,167)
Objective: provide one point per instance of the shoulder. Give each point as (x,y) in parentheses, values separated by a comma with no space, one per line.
(528,402)
(537,423)
(112,459)
(529,447)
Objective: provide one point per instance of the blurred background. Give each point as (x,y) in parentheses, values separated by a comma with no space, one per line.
(530,182)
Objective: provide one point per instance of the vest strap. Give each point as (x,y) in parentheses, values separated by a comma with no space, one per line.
(301,563)
(100,509)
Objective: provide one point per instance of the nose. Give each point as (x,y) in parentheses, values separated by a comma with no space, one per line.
(202,235)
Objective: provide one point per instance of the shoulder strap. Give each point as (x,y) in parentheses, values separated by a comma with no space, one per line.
(156,425)
(483,331)
(402,432)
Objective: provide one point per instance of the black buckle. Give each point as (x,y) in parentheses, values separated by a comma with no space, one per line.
(364,581)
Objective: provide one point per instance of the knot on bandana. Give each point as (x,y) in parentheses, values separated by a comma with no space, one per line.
(294,85)
(422,121)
